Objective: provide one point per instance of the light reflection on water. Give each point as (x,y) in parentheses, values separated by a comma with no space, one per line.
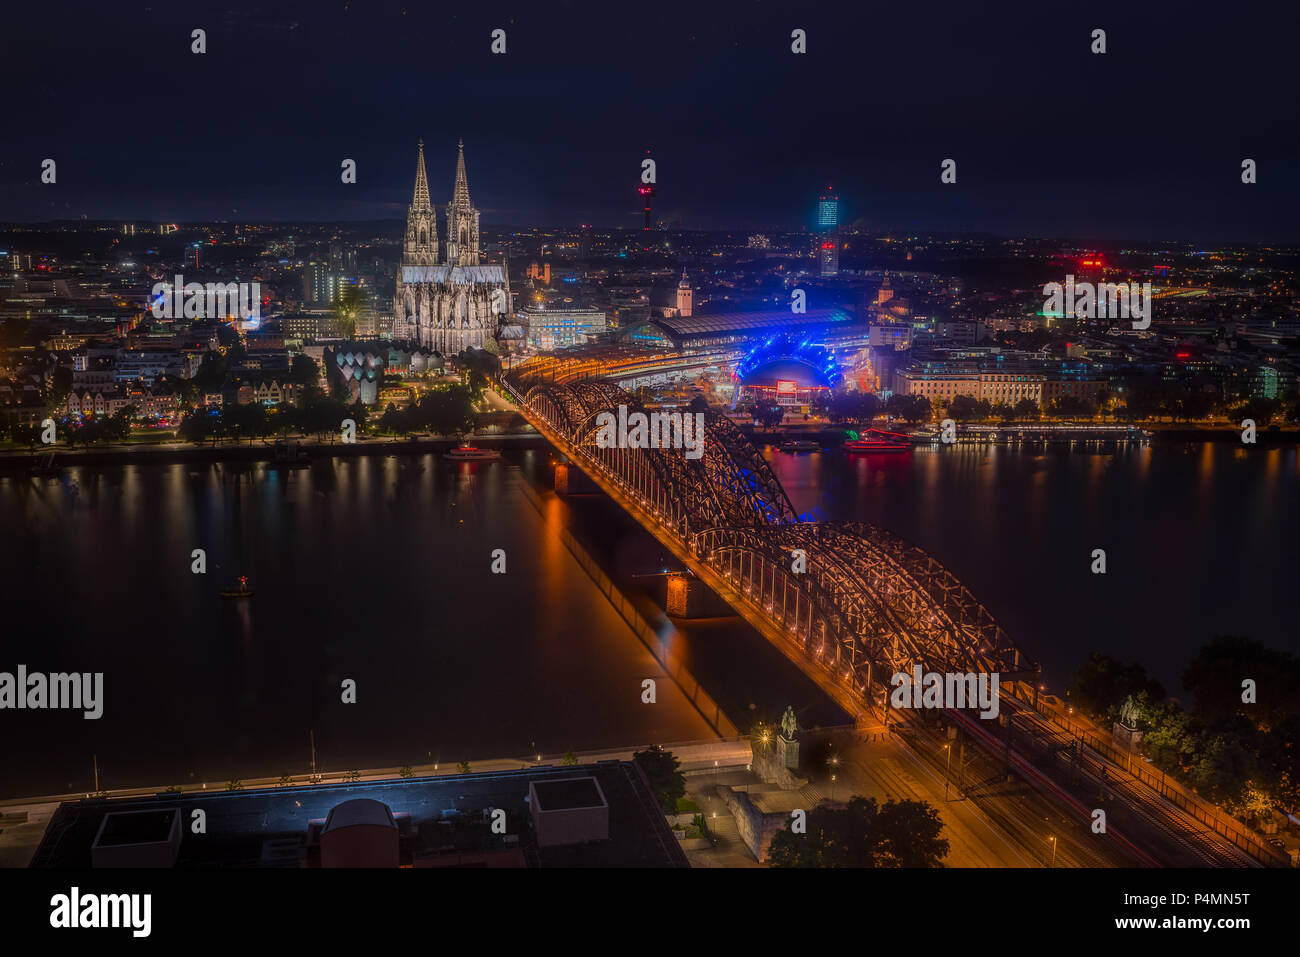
(375,569)
(1200,538)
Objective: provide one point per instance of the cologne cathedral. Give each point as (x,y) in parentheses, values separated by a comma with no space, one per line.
(454,302)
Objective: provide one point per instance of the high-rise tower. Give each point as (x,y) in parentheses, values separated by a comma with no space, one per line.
(828,224)
(420,247)
(828,212)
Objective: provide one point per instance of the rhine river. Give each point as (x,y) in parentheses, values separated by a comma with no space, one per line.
(1200,538)
(372,569)
(379,570)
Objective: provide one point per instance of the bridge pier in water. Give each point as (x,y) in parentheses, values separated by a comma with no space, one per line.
(686,596)
(562,478)
(571,480)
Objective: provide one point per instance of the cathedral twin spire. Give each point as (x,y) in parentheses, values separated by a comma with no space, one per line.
(460,192)
(462,218)
(421,198)
(420,247)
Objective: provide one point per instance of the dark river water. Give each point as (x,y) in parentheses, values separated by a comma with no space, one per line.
(1200,538)
(378,570)
(371,569)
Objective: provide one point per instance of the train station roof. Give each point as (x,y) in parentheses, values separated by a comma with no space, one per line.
(687,329)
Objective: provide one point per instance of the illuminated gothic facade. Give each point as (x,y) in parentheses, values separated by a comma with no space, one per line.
(457,302)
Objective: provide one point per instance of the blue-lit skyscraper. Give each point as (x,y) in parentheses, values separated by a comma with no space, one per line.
(828,213)
(828,227)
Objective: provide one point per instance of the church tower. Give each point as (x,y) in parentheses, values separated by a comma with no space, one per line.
(420,247)
(462,219)
(885,292)
(685,296)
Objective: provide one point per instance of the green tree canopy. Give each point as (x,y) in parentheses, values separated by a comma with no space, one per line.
(863,834)
(1100,685)
(1214,678)
(59,387)
(304,370)
(854,407)
(661,770)
(349,302)
(1025,409)
(910,408)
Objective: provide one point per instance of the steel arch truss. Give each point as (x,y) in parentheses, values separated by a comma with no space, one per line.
(731,484)
(864,605)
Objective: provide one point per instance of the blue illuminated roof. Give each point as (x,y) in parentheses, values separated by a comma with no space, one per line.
(784,356)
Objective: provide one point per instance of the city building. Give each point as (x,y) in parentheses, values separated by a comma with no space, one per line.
(999,377)
(828,213)
(148,365)
(308,326)
(828,227)
(157,403)
(897,337)
(559,328)
(359,366)
(787,371)
(885,292)
(322,285)
(457,303)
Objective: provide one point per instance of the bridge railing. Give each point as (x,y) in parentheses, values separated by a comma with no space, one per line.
(1171,790)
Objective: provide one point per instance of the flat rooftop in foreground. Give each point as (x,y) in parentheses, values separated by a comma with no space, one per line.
(436,814)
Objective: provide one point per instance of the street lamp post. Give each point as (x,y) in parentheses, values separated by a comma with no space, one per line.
(947,779)
(1053,862)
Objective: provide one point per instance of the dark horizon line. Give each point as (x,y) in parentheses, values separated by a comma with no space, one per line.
(6,225)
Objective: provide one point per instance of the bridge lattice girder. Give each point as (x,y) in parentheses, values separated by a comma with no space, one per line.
(868,605)
(730,484)
(872,598)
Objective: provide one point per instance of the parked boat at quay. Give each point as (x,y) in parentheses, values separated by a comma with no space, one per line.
(878,440)
(470,453)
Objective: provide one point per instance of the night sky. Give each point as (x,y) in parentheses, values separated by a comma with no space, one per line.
(1143,143)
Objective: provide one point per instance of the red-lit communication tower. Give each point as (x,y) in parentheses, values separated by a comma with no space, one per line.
(646,190)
